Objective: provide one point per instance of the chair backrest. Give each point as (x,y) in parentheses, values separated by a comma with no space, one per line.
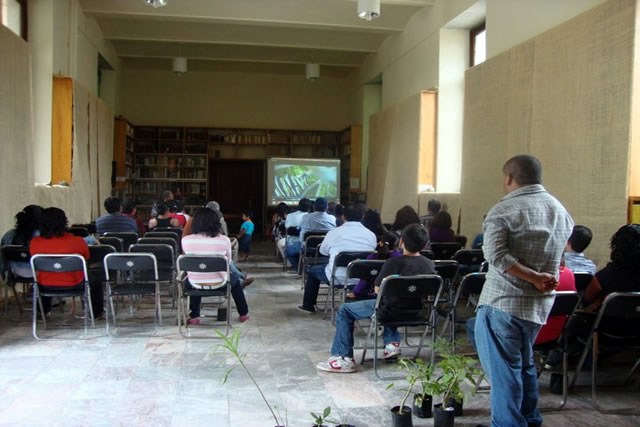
(292,231)
(128,239)
(16,253)
(98,252)
(445,250)
(58,263)
(116,242)
(165,256)
(565,303)
(131,263)
(582,280)
(160,241)
(447,269)
(311,243)
(472,284)
(165,235)
(177,230)
(428,253)
(622,306)
(202,263)
(367,269)
(79,231)
(91,227)
(484,267)
(405,298)
(469,256)
(344,258)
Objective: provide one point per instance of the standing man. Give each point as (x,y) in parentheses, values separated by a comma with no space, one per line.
(524,236)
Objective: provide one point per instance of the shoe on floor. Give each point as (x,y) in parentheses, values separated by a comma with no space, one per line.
(554,359)
(194,321)
(391,350)
(338,364)
(306,310)
(248,281)
(243,319)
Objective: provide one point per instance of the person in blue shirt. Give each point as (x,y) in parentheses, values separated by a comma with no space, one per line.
(244,238)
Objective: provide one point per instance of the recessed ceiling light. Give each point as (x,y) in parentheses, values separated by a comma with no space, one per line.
(156,3)
(368,9)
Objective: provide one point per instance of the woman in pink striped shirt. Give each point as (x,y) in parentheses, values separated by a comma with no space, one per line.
(208,240)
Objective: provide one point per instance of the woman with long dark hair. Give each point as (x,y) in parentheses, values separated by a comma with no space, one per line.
(406,215)
(373,222)
(26,228)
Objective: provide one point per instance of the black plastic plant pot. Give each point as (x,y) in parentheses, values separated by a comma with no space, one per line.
(222,314)
(457,406)
(401,419)
(345,425)
(424,410)
(443,417)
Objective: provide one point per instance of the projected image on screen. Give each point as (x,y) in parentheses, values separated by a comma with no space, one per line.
(290,179)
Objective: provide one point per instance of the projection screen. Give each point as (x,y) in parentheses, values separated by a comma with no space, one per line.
(289,180)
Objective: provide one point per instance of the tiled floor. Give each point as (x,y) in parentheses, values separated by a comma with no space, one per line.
(136,379)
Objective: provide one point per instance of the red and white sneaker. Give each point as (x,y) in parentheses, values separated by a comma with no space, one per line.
(338,364)
(392,350)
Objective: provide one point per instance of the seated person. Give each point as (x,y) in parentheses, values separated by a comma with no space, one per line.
(293,220)
(350,236)
(207,240)
(404,216)
(574,251)
(479,239)
(175,206)
(27,227)
(433,207)
(411,263)
(387,248)
(163,219)
(129,209)
(54,239)
(552,330)
(440,230)
(318,220)
(372,220)
(114,221)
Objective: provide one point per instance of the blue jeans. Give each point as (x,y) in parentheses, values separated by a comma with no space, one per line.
(505,347)
(315,276)
(292,252)
(347,314)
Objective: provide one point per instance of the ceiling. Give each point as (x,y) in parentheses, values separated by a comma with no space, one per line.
(276,35)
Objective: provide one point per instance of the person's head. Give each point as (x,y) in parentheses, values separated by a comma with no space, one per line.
(304,205)
(362,207)
(129,207)
(580,239)
(405,216)
(331,208)
(414,238)
(179,205)
(351,213)
(372,221)
(388,243)
(53,223)
(247,214)
(521,170)
(112,205)
(172,206)
(162,209)
(434,206)
(213,205)
(320,205)
(442,221)
(206,221)
(625,247)
(166,195)
(27,222)
(339,211)
(282,209)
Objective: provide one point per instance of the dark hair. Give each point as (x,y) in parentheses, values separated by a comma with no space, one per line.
(373,222)
(172,206)
(320,204)
(27,222)
(525,169)
(580,238)
(331,208)
(339,211)
(405,216)
(166,194)
(415,238)
(53,223)
(179,205)
(112,204)
(389,242)
(434,206)
(248,213)
(161,209)
(282,209)
(441,220)
(351,213)
(625,247)
(206,221)
(304,205)
(128,206)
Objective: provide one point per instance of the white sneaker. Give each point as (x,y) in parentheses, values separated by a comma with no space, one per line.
(392,350)
(339,364)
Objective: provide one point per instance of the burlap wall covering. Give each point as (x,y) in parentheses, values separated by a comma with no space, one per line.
(565,97)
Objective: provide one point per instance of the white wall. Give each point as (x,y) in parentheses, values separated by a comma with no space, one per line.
(510,22)
(371,104)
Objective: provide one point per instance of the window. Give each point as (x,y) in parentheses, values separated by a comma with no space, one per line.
(477,45)
(14,16)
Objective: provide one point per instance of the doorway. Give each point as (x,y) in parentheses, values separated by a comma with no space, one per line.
(238,185)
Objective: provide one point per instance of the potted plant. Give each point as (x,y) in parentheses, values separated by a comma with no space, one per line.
(401,415)
(320,420)
(231,344)
(426,389)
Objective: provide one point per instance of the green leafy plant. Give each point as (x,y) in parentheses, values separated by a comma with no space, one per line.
(455,369)
(421,375)
(231,344)
(319,420)
(412,377)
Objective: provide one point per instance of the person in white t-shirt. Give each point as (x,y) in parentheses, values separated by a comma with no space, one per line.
(293,220)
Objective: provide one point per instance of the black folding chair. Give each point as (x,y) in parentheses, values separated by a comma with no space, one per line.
(445,250)
(470,287)
(342,260)
(405,301)
(166,262)
(289,232)
(617,309)
(79,231)
(97,253)
(60,263)
(15,254)
(428,253)
(128,275)
(469,260)
(165,235)
(175,230)
(128,239)
(160,241)
(115,242)
(202,264)
(91,227)
(310,254)
(583,279)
